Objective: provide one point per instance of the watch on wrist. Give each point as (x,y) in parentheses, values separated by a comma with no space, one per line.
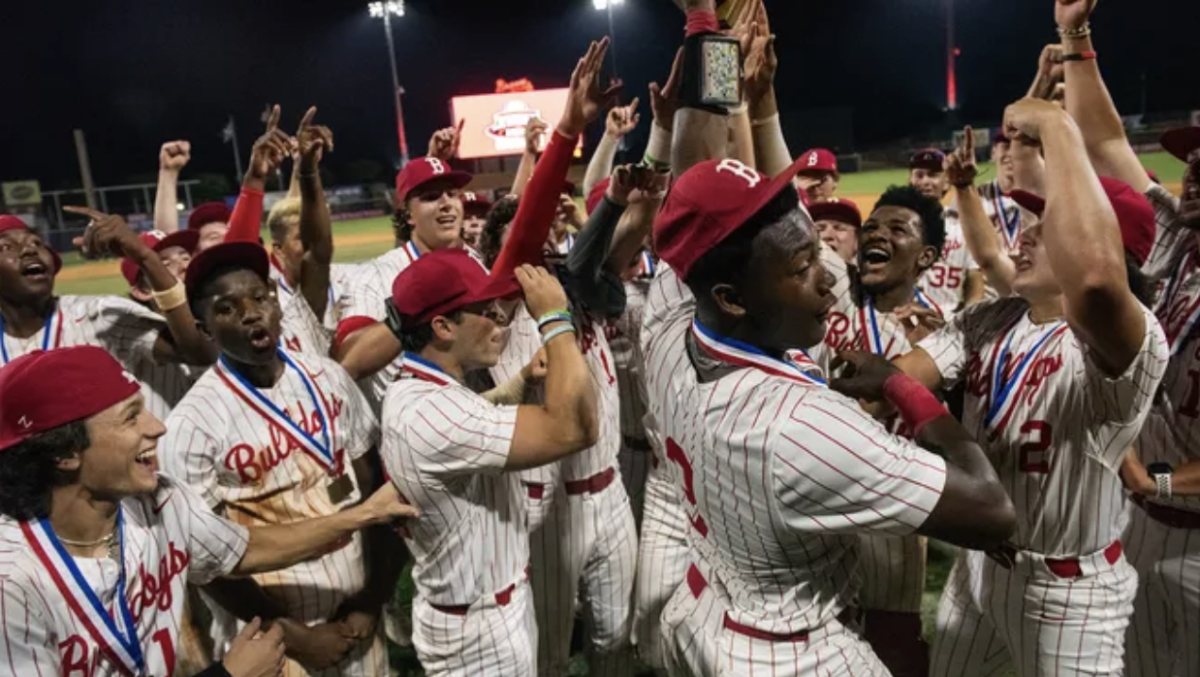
(1161,474)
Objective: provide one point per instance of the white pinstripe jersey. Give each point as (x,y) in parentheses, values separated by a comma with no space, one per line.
(943,282)
(445,449)
(301,331)
(126,329)
(521,342)
(1172,431)
(254,472)
(623,336)
(1059,451)
(779,476)
(340,275)
(171,539)
(1007,216)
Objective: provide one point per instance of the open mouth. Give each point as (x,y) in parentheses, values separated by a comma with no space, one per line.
(35,271)
(874,255)
(148,459)
(260,338)
(448,221)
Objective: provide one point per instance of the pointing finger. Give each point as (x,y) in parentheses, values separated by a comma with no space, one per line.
(273,118)
(308,118)
(84,211)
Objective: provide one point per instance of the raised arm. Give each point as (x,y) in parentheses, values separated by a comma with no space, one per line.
(983,242)
(316,230)
(770,148)
(172,158)
(1082,238)
(699,134)
(567,422)
(1089,102)
(269,151)
(621,120)
(535,129)
(974,510)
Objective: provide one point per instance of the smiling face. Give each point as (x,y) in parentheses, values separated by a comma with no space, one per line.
(122,459)
(1003,159)
(211,235)
(892,249)
(240,312)
(1035,278)
(841,237)
(435,211)
(931,183)
(26,267)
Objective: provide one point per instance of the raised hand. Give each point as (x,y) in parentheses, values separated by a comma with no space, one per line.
(1024,119)
(254,653)
(1050,72)
(270,149)
(535,129)
(174,156)
(623,119)
(864,375)
(444,143)
(322,646)
(628,179)
(919,321)
(106,234)
(543,291)
(312,141)
(568,211)
(586,99)
(664,100)
(961,167)
(760,65)
(1073,13)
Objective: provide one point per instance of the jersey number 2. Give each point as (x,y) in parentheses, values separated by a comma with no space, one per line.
(1035,454)
(676,454)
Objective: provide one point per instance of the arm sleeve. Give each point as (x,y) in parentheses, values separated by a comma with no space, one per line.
(947,347)
(245,225)
(1127,398)
(215,544)
(602,162)
(668,301)
(188,456)
(29,648)
(592,282)
(453,431)
(126,330)
(1171,239)
(535,213)
(892,489)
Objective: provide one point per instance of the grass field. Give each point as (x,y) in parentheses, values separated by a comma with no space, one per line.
(366,238)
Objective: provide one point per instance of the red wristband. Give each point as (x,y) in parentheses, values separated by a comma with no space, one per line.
(1080,56)
(915,403)
(702,21)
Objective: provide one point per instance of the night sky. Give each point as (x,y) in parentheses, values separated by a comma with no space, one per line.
(134,74)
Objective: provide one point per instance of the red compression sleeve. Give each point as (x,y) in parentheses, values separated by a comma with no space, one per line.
(915,403)
(702,21)
(535,213)
(245,225)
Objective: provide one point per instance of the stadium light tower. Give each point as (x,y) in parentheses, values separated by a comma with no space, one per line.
(607,5)
(385,11)
(952,53)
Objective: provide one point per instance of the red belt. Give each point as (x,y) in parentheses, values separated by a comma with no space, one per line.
(1069,568)
(697,584)
(592,485)
(1172,517)
(502,598)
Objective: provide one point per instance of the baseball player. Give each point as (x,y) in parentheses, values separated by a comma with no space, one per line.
(149,344)
(211,221)
(454,455)
(1003,212)
(756,442)
(818,178)
(954,281)
(271,436)
(837,222)
(475,210)
(95,546)
(1058,383)
(288,253)
(885,313)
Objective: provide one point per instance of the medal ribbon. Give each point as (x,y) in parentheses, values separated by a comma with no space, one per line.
(47,331)
(1009,227)
(425,370)
(1005,393)
(745,355)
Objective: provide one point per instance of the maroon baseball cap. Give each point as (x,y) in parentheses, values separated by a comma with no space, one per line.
(209,212)
(819,160)
(9,222)
(1134,214)
(708,204)
(248,255)
(474,203)
(158,241)
(836,209)
(35,397)
(423,170)
(930,159)
(1181,141)
(597,194)
(443,281)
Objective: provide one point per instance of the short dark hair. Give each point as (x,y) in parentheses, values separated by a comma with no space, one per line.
(930,211)
(728,262)
(200,301)
(501,214)
(29,470)
(400,225)
(414,340)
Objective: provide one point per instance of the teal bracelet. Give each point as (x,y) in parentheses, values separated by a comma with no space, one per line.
(557,331)
(553,316)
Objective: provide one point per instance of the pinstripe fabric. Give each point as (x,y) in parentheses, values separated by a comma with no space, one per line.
(171,539)
(340,275)
(774,514)
(369,285)
(1058,458)
(252,472)
(490,640)
(301,331)
(623,339)
(1162,638)
(943,282)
